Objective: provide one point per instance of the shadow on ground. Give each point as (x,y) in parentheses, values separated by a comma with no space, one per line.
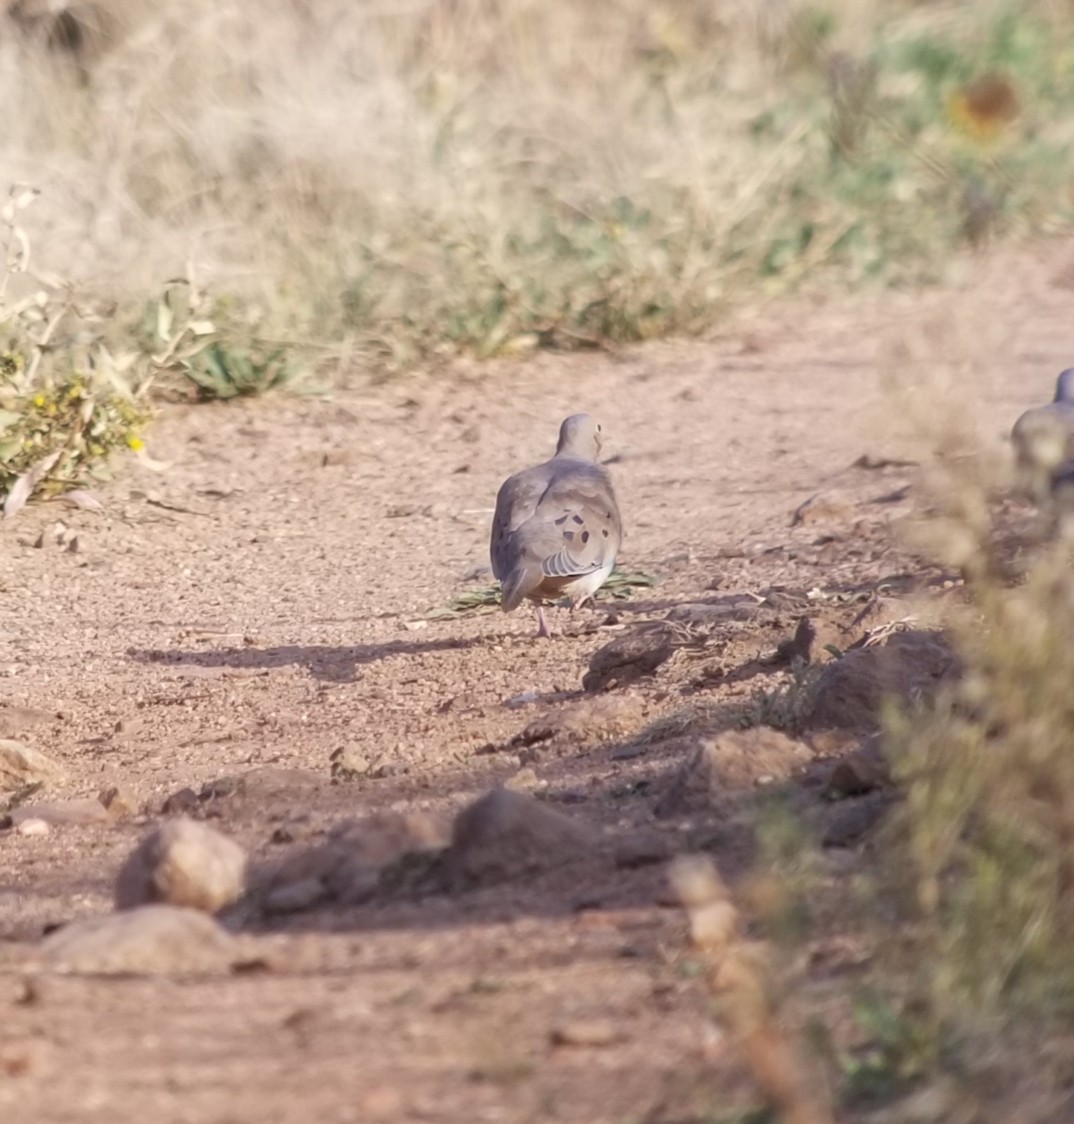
(323,661)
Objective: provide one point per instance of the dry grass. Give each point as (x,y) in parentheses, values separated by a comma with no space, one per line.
(424,177)
(387,183)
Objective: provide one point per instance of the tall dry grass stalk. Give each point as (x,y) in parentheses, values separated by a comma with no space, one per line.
(739,974)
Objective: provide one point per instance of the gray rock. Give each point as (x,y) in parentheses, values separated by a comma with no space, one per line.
(507,834)
(154,940)
(183,863)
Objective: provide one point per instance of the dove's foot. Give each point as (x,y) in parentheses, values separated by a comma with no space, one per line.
(542,623)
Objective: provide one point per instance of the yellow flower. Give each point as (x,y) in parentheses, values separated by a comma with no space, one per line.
(136,443)
(39,400)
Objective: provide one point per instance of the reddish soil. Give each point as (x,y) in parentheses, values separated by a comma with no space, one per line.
(265,601)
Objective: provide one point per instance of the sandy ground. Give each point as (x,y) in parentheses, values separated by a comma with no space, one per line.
(266,601)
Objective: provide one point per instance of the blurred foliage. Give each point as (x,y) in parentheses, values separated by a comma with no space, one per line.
(503,176)
(489,177)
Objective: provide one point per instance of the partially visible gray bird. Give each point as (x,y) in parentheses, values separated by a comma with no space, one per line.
(1043,440)
(556,530)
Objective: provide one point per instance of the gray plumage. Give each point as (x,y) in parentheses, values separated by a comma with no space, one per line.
(1043,440)
(557,529)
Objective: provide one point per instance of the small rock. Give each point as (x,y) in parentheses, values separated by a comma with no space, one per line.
(62,812)
(386,766)
(585,721)
(347,764)
(824,507)
(21,765)
(571,796)
(149,941)
(183,863)
(525,780)
(301,828)
(384,836)
(180,803)
(735,759)
(637,654)
(118,802)
(587,1032)
(629,751)
(642,850)
(266,786)
(505,834)
(851,690)
(523,699)
(347,867)
(295,896)
(797,648)
(852,820)
(33,827)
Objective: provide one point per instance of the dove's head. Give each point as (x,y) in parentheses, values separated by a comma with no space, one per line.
(1064,386)
(580,436)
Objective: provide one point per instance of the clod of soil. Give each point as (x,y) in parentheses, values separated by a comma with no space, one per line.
(851,691)
(183,863)
(506,835)
(155,940)
(824,507)
(587,721)
(347,867)
(628,658)
(731,761)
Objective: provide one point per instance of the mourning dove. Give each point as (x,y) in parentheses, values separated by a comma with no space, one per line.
(1043,440)
(557,528)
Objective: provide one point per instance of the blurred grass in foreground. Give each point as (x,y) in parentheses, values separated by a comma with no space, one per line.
(954,919)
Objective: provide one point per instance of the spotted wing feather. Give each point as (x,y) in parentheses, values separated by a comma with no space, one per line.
(556,521)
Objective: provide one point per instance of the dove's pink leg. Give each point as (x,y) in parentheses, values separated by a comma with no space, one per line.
(543,629)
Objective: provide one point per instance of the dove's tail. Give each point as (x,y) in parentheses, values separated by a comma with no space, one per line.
(523,580)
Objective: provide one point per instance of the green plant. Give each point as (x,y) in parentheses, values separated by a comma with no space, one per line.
(63,407)
(193,339)
(619,586)
(787,705)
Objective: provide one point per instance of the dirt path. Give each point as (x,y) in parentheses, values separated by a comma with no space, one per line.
(265,601)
